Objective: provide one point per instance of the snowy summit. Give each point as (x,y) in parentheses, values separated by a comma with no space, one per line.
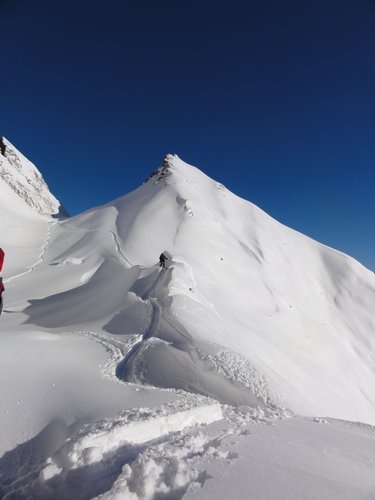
(124,379)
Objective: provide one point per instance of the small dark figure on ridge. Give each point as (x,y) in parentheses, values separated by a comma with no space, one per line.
(162,259)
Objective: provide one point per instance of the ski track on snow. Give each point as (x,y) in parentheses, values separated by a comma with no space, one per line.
(121,352)
(118,248)
(30,269)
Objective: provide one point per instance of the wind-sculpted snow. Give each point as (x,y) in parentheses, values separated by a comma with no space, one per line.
(117,372)
(165,355)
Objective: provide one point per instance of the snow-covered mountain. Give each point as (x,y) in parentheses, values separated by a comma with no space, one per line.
(26,181)
(250,321)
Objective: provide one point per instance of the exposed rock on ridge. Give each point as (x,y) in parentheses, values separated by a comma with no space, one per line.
(163,171)
(25,179)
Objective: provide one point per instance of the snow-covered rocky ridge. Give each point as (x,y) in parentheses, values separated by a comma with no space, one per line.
(25,179)
(250,323)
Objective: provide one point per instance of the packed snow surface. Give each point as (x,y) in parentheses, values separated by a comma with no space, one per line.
(122,379)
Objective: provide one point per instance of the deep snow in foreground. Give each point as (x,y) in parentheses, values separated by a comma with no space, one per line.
(120,379)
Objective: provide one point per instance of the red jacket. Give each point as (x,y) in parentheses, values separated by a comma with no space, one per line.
(2,287)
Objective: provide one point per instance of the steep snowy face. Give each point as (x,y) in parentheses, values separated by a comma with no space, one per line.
(26,181)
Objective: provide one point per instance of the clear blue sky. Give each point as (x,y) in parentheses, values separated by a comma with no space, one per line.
(275,99)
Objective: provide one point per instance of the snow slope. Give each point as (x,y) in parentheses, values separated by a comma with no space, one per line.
(124,359)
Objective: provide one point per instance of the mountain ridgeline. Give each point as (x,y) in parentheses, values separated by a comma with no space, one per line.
(26,181)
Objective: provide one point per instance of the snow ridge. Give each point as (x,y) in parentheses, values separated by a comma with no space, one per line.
(26,181)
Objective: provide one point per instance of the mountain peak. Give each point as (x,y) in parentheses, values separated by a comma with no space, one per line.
(22,176)
(165,169)
(170,158)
